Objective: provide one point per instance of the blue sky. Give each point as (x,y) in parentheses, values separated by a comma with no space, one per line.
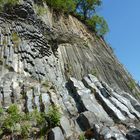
(123,18)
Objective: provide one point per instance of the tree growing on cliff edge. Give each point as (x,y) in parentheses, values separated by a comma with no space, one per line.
(98,24)
(87,8)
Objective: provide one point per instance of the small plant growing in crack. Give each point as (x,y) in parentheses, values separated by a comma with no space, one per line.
(16,39)
(53,116)
(81,137)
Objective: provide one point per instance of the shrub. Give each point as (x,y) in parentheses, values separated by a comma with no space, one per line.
(25,129)
(19,123)
(54,116)
(11,118)
(38,118)
(66,6)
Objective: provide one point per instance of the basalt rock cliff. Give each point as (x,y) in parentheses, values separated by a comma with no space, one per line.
(56,59)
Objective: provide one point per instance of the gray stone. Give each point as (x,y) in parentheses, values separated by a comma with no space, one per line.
(133,101)
(87,120)
(133,134)
(65,124)
(21,12)
(29,103)
(45,101)
(55,134)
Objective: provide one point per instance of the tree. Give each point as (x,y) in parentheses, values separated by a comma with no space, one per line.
(98,24)
(87,7)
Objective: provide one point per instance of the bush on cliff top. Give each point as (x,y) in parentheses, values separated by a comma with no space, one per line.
(66,6)
(85,10)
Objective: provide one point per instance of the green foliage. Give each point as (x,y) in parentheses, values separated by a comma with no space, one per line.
(85,10)
(38,117)
(131,85)
(87,7)
(15,38)
(9,2)
(1,110)
(11,118)
(82,137)
(14,122)
(98,24)
(54,116)
(25,129)
(66,6)
(94,72)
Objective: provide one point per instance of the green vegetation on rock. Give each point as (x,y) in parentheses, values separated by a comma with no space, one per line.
(54,116)
(98,24)
(81,137)
(11,2)
(17,123)
(131,85)
(85,10)
(66,6)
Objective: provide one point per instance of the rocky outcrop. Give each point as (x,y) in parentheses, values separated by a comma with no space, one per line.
(46,60)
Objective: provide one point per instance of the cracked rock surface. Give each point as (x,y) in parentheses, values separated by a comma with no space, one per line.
(53,59)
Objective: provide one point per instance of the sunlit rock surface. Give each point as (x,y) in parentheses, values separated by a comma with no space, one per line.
(48,59)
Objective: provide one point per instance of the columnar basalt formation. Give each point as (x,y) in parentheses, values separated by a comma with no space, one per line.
(47,59)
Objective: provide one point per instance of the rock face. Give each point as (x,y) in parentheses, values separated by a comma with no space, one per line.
(47,59)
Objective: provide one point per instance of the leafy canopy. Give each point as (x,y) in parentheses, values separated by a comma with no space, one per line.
(98,24)
(87,7)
